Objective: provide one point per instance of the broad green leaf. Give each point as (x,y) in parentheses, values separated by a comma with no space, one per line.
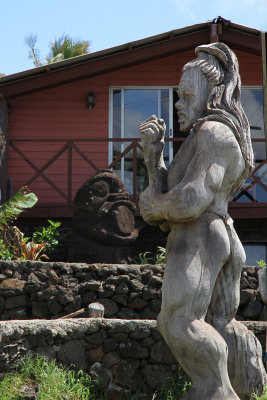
(16,205)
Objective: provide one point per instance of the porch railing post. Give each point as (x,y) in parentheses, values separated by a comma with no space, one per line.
(70,171)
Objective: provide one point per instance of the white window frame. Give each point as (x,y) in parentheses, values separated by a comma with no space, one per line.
(110,127)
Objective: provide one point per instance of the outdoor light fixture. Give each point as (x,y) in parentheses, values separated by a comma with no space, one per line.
(91,100)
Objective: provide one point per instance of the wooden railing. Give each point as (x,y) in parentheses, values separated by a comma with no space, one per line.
(70,145)
(248,191)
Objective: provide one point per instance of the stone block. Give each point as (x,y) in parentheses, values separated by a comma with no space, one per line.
(155,281)
(89,287)
(253,283)
(88,298)
(124,371)
(116,392)
(148,313)
(161,354)
(132,349)
(2,277)
(16,313)
(101,374)
(110,359)
(95,355)
(253,310)
(17,301)
(65,298)
(120,299)
(127,313)
(2,304)
(47,293)
(111,307)
(54,306)
(137,303)
(140,332)
(73,352)
(122,288)
(155,304)
(97,338)
(40,310)
(149,293)
(263,314)
(247,296)
(155,375)
(74,306)
(109,345)
(136,285)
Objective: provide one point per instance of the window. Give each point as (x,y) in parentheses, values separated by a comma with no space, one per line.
(128,108)
(252,102)
(253,190)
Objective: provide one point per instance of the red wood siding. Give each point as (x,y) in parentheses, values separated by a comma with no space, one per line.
(62,113)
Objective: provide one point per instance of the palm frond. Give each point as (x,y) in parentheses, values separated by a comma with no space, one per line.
(34,54)
(11,209)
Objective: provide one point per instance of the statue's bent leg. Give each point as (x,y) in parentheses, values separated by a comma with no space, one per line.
(196,253)
(245,366)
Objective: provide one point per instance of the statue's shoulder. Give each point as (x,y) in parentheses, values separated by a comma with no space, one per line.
(216,133)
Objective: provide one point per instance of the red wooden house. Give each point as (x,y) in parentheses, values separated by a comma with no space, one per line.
(66,120)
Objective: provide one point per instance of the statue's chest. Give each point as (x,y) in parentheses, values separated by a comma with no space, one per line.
(181,161)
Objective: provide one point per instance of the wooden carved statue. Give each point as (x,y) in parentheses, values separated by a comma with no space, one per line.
(204,254)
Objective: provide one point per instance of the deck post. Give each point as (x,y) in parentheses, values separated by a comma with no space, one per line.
(3,149)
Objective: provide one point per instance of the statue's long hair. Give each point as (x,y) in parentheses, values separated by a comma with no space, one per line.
(220,66)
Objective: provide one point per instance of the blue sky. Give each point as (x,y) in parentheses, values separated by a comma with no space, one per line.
(108,23)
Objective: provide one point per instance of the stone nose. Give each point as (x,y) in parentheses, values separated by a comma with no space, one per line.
(178,105)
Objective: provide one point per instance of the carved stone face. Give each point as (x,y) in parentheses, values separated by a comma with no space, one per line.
(193,93)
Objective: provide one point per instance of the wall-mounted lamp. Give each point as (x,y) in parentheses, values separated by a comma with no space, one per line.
(91,100)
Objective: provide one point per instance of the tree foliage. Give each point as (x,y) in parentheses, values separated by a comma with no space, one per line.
(60,49)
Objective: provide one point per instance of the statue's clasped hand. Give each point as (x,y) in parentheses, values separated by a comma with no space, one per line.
(152,132)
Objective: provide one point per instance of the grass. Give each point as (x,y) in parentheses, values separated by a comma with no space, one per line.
(176,389)
(53,382)
(262,397)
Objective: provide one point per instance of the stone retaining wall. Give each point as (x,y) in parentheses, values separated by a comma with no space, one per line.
(129,356)
(51,290)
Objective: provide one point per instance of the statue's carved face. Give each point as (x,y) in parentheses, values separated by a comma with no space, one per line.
(192,101)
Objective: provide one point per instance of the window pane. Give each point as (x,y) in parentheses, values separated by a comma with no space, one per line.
(116,114)
(138,106)
(116,128)
(164,108)
(176,127)
(252,102)
(254,253)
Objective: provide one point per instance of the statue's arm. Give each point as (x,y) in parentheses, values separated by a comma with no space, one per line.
(187,200)
(152,133)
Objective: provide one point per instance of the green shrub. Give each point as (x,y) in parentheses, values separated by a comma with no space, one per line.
(47,235)
(149,258)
